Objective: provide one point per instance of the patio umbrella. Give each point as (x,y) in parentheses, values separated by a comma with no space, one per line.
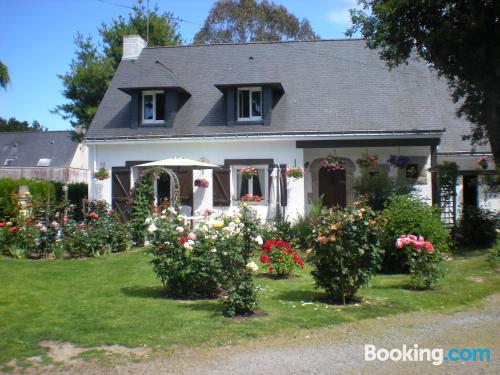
(179,162)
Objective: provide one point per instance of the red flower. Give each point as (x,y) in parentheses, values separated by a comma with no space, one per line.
(13,229)
(271,268)
(93,215)
(265,259)
(2,225)
(182,240)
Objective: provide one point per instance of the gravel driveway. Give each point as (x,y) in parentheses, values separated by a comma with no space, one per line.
(336,350)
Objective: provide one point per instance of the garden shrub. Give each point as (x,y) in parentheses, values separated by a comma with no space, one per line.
(476,227)
(378,187)
(424,262)
(280,259)
(407,214)
(346,252)
(494,255)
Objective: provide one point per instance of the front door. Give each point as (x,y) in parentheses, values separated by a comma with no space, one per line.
(470,190)
(120,191)
(332,186)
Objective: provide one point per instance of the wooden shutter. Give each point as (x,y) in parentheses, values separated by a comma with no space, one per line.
(186,184)
(221,187)
(120,191)
(284,192)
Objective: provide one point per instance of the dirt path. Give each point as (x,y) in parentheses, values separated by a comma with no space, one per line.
(336,350)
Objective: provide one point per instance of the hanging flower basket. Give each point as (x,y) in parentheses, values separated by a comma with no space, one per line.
(249,172)
(332,163)
(367,161)
(483,162)
(250,198)
(201,183)
(295,172)
(101,174)
(398,161)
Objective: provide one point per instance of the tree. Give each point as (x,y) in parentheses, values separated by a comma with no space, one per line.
(457,38)
(92,68)
(236,21)
(13,125)
(4,75)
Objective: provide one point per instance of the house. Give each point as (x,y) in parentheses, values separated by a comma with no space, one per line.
(271,106)
(50,155)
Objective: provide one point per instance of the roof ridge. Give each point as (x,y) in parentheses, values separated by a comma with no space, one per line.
(37,132)
(258,42)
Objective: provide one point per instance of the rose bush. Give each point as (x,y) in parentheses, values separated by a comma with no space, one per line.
(346,251)
(280,259)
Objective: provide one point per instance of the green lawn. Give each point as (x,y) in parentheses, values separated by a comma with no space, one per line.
(118,300)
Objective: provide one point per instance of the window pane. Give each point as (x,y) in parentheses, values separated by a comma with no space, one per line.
(160,106)
(256,104)
(244,104)
(148,107)
(244,186)
(257,190)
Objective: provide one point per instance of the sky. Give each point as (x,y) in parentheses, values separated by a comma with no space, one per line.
(36,42)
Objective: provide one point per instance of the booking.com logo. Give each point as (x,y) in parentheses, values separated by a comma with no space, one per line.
(436,355)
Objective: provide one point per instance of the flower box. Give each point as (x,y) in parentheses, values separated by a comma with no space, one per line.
(294,172)
(101,174)
(251,198)
(249,172)
(201,183)
(367,161)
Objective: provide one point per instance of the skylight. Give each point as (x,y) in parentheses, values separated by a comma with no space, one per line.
(43,162)
(8,162)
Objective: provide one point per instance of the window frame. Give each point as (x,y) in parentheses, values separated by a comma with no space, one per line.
(234,182)
(9,162)
(250,91)
(154,120)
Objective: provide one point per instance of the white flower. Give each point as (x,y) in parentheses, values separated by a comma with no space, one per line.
(214,250)
(252,266)
(147,221)
(171,210)
(164,212)
(179,230)
(163,217)
(188,245)
(259,240)
(237,220)
(152,228)
(146,243)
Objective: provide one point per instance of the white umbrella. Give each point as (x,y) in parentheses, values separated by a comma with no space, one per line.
(179,162)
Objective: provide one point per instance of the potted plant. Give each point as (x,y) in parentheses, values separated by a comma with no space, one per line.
(332,163)
(367,161)
(201,183)
(249,172)
(483,162)
(398,161)
(101,174)
(295,172)
(250,198)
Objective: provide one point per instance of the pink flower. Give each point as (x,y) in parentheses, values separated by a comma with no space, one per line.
(399,243)
(191,236)
(179,230)
(421,239)
(412,237)
(406,241)
(54,224)
(93,215)
(428,247)
(417,245)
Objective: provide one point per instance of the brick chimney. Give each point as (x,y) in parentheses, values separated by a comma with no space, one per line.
(132,46)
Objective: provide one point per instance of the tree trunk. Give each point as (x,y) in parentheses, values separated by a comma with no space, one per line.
(492,123)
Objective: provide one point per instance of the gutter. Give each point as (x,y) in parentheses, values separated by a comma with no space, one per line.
(269,136)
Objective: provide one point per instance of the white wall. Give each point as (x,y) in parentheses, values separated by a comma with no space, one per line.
(212,151)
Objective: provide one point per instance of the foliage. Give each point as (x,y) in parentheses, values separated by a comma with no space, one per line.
(101,174)
(4,75)
(407,214)
(449,36)
(249,171)
(142,198)
(476,227)
(280,259)
(241,295)
(378,187)
(295,172)
(347,251)
(367,161)
(483,162)
(424,262)
(448,174)
(13,125)
(238,21)
(332,163)
(91,70)
(494,255)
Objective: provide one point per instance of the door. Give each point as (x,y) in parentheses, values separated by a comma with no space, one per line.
(332,186)
(120,191)
(470,190)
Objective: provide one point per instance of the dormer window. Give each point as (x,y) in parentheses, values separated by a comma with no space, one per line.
(250,104)
(153,107)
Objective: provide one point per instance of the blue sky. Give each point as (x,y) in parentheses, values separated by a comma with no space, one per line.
(36,42)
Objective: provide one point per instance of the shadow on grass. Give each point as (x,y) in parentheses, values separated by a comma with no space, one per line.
(300,295)
(145,291)
(213,308)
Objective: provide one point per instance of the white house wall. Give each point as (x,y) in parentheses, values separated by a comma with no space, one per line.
(211,151)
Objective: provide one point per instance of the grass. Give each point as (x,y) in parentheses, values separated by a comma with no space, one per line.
(118,300)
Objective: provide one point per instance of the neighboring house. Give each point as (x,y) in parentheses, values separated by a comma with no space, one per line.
(50,155)
(274,104)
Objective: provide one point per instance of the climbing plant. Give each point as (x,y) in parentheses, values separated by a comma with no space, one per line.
(448,174)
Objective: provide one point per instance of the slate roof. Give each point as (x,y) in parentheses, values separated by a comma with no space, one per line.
(329,86)
(26,148)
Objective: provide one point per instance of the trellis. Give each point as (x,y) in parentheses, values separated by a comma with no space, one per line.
(448,174)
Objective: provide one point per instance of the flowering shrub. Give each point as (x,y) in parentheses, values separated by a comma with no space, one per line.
(483,162)
(346,251)
(398,161)
(201,182)
(249,171)
(295,172)
(250,198)
(101,174)
(279,258)
(367,161)
(424,262)
(332,163)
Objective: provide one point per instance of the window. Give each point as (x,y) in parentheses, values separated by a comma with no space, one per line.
(250,186)
(411,171)
(250,104)
(8,162)
(153,107)
(43,162)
